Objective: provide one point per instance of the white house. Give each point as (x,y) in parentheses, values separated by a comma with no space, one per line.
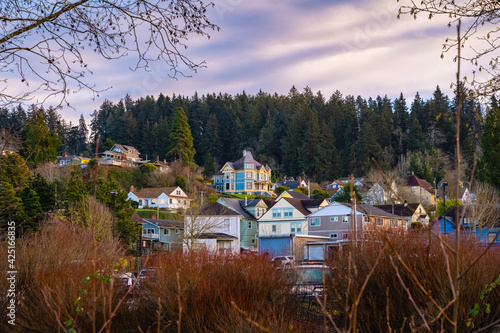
(215,229)
(170,198)
(283,221)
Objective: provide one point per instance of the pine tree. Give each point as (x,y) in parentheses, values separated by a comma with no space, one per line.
(13,169)
(11,206)
(208,169)
(489,163)
(181,140)
(32,208)
(39,144)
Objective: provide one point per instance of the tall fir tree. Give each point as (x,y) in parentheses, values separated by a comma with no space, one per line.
(489,162)
(181,140)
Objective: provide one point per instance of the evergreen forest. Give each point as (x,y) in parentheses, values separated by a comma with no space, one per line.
(301,134)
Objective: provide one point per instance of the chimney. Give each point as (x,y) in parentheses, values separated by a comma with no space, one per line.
(244,152)
(132,188)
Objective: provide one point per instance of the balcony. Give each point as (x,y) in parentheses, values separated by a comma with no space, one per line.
(151,236)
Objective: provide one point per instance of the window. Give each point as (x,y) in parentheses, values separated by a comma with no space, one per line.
(253,241)
(140,202)
(166,246)
(249,185)
(367,219)
(227,225)
(176,231)
(345,236)
(275,228)
(249,175)
(288,212)
(334,219)
(227,176)
(315,221)
(224,246)
(394,223)
(296,228)
(178,192)
(153,201)
(345,219)
(380,222)
(334,235)
(276,213)
(170,200)
(491,237)
(249,224)
(232,186)
(163,201)
(166,232)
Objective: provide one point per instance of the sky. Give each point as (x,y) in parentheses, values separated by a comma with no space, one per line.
(357,47)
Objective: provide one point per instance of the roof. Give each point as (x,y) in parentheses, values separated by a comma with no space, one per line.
(154,192)
(127,149)
(217,235)
(372,211)
(298,204)
(237,206)
(251,203)
(211,209)
(400,209)
(312,202)
(415,181)
(246,159)
(298,195)
(166,223)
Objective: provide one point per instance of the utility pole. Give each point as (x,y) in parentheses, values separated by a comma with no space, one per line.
(114,199)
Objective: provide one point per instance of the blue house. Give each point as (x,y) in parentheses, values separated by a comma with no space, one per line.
(485,235)
(245,176)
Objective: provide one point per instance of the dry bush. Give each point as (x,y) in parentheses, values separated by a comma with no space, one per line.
(207,287)
(399,303)
(51,266)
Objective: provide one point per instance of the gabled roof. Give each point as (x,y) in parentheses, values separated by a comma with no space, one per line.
(155,192)
(213,209)
(217,235)
(246,159)
(166,223)
(126,149)
(372,211)
(298,204)
(313,203)
(415,181)
(251,203)
(294,195)
(400,209)
(236,205)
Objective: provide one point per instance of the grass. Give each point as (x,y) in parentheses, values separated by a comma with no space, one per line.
(148,213)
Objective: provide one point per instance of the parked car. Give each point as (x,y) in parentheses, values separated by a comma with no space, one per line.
(311,278)
(283,260)
(146,273)
(126,279)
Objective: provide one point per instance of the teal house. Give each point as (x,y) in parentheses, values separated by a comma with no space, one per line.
(161,235)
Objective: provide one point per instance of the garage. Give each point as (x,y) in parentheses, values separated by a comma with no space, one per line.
(275,245)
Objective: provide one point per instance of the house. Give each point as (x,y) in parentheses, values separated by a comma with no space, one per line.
(250,210)
(170,198)
(484,229)
(283,221)
(121,155)
(245,176)
(291,183)
(378,194)
(161,235)
(66,160)
(419,189)
(161,166)
(293,194)
(214,228)
(411,212)
(336,220)
(336,184)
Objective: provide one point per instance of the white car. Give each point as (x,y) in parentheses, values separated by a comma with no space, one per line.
(283,260)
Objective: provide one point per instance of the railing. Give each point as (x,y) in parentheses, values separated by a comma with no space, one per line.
(151,236)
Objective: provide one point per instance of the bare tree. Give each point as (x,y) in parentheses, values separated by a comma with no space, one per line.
(480,34)
(201,221)
(484,210)
(48,45)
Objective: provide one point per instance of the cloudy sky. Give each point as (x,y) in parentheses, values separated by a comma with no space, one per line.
(357,47)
